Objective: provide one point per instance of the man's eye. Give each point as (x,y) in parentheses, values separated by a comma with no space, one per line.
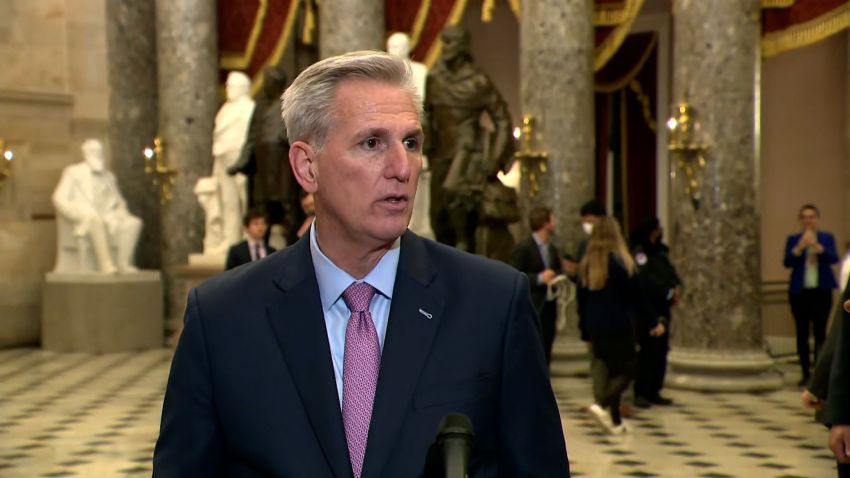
(371,143)
(411,144)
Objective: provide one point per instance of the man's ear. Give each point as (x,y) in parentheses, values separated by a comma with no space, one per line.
(301,159)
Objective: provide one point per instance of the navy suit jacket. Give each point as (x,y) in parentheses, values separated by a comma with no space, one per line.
(252,391)
(797,264)
(526,258)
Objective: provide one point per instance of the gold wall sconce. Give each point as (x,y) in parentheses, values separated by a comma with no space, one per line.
(162,177)
(5,162)
(532,160)
(687,145)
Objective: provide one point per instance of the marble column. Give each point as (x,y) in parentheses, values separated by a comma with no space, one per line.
(349,25)
(131,58)
(188,99)
(556,48)
(717,341)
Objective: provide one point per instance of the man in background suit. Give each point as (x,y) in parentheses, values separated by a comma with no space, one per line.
(339,356)
(538,257)
(254,247)
(837,412)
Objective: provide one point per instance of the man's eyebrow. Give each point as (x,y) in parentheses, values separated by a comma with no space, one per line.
(372,132)
(384,132)
(415,132)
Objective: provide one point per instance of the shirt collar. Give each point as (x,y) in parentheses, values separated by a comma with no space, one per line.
(333,281)
(537,240)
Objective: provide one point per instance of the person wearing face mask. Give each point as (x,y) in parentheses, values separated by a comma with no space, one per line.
(590,212)
(87,198)
(662,288)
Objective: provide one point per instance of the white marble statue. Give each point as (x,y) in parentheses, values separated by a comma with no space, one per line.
(398,44)
(96,232)
(231,129)
(208,192)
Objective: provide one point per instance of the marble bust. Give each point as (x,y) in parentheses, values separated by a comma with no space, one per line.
(398,45)
(96,232)
(231,129)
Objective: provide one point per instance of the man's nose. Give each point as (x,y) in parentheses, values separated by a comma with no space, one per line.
(400,162)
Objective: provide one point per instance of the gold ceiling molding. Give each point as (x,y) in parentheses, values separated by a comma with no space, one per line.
(612,42)
(274,58)
(419,23)
(240,61)
(455,16)
(806,33)
(610,14)
(777,3)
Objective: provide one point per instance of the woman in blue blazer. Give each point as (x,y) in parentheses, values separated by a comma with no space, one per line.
(810,255)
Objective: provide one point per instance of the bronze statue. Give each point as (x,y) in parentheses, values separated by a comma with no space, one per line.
(464,156)
(264,159)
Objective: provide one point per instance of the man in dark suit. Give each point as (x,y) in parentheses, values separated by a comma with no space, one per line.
(254,247)
(339,356)
(538,257)
(810,255)
(837,410)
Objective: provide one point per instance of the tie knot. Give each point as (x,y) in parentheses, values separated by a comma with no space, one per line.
(358,296)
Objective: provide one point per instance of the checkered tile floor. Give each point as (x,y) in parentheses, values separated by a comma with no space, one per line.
(65,415)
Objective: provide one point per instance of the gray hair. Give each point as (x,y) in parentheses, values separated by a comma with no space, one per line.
(307,105)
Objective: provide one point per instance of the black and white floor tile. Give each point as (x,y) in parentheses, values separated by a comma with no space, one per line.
(65,415)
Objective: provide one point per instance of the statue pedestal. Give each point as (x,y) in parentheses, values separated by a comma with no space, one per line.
(186,278)
(93,313)
(208,261)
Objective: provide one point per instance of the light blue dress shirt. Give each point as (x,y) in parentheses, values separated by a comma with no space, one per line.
(332,283)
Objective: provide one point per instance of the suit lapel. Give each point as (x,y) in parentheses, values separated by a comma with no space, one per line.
(537,259)
(415,315)
(298,323)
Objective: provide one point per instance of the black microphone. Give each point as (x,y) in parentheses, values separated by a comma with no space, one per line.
(448,457)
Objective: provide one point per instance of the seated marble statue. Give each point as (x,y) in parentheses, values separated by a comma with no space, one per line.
(229,134)
(96,232)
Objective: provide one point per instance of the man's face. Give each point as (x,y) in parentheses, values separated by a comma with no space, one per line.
(368,167)
(550,224)
(257,228)
(809,218)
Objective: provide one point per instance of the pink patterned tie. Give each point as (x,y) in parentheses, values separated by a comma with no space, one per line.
(361,363)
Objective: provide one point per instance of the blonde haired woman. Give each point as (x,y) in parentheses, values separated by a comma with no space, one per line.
(612,303)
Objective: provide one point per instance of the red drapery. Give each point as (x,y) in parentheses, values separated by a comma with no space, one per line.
(423,20)
(625,98)
(253,33)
